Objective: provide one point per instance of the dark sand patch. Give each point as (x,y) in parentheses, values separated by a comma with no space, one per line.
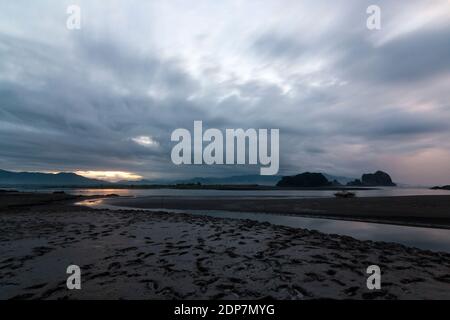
(431,211)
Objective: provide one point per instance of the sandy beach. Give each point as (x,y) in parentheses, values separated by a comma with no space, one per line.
(140,255)
(430,211)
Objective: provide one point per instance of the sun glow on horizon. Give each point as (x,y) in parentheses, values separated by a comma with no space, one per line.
(110,176)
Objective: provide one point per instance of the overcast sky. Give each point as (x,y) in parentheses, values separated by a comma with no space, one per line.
(346,99)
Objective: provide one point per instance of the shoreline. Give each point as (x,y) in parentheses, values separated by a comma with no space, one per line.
(416,211)
(437,207)
(385,210)
(328,217)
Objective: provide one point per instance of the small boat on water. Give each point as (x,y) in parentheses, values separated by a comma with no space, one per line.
(344,194)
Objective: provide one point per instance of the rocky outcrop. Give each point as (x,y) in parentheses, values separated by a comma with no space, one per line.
(306,180)
(355,183)
(336,183)
(378,178)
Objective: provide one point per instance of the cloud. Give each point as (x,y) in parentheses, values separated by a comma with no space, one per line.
(145,141)
(107,97)
(415,56)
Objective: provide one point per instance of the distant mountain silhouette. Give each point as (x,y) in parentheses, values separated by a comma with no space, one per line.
(72,179)
(142,182)
(305,179)
(243,179)
(378,178)
(339,179)
(45,179)
(232,180)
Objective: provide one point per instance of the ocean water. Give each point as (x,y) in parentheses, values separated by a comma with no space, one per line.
(381,192)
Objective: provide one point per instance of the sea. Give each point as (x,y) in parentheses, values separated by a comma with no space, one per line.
(434,239)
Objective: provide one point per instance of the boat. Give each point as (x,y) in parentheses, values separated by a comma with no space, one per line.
(345,194)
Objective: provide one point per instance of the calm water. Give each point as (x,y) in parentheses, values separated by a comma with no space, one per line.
(383,192)
(424,238)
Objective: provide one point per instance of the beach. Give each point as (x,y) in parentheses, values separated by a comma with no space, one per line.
(126,254)
(425,211)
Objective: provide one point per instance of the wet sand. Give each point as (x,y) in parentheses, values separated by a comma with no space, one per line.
(429,211)
(140,255)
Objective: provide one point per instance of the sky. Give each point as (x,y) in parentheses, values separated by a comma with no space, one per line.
(103,100)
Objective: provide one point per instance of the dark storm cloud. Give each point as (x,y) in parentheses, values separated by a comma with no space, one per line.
(412,57)
(78,122)
(340,95)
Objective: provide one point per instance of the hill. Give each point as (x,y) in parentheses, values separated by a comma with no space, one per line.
(378,178)
(305,179)
(47,179)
